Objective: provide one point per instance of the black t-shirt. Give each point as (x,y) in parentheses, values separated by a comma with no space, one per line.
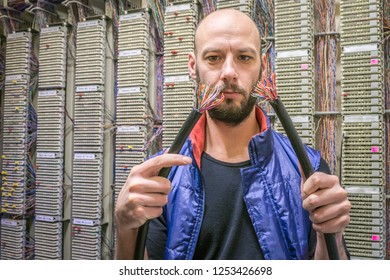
(227,231)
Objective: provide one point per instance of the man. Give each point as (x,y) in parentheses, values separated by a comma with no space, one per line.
(236,190)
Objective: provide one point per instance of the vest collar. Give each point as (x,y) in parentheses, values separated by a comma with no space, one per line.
(257,150)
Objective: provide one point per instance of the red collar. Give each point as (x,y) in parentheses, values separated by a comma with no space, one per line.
(197,135)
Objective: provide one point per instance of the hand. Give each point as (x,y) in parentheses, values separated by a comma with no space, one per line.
(327,203)
(145,193)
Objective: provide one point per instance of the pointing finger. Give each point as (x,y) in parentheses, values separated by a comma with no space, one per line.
(152,166)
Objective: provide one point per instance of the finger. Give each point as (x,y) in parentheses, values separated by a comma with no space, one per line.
(329,212)
(301,172)
(150,200)
(303,180)
(156,184)
(145,213)
(318,181)
(324,197)
(337,224)
(152,166)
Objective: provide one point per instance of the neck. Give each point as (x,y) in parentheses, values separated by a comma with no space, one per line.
(230,143)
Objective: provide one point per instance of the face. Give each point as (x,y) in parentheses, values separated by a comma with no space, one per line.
(228,55)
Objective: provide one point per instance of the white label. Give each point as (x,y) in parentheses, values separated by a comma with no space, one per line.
(14,77)
(131,16)
(8,222)
(375,173)
(376,214)
(172,79)
(375,141)
(375,101)
(374,85)
(286,54)
(373,23)
(83,222)
(128,128)
(375,157)
(357,119)
(50,29)
(375,125)
(305,58)
(375,181)
(361,48)
(46,155)
(16,35)
(300,119)
(375,165)
(372,7)
(374,77)
(47,93)
(89,23)
(175,8)
(44,218)
(86,88)
(130,53)
(362,189)
(375,93)
(129,90)
(84,156)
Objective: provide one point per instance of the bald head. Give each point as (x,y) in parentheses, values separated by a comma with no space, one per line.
(228,22)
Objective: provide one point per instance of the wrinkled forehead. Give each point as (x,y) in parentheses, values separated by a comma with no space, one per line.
(234,29)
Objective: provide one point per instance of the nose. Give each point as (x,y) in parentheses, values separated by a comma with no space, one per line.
(229,71)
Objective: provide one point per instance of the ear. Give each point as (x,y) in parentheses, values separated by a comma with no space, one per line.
(192,65)
(263,66)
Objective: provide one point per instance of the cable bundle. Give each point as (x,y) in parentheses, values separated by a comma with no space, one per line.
(266,90)
(209,98)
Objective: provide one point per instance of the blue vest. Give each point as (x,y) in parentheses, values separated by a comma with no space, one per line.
(271,190)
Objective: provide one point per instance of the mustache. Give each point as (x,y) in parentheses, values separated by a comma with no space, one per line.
(232,87)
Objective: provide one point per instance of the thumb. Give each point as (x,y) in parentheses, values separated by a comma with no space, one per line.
(303,180)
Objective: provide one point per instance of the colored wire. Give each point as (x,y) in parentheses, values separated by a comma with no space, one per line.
(326,50)
(210,97)
(267,90)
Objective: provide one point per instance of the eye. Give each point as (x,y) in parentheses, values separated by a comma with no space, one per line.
(244,58)
(212,58)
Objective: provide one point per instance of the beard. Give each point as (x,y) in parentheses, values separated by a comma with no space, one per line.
(229,112)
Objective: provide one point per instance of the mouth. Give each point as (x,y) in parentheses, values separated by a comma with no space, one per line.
(230,94)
